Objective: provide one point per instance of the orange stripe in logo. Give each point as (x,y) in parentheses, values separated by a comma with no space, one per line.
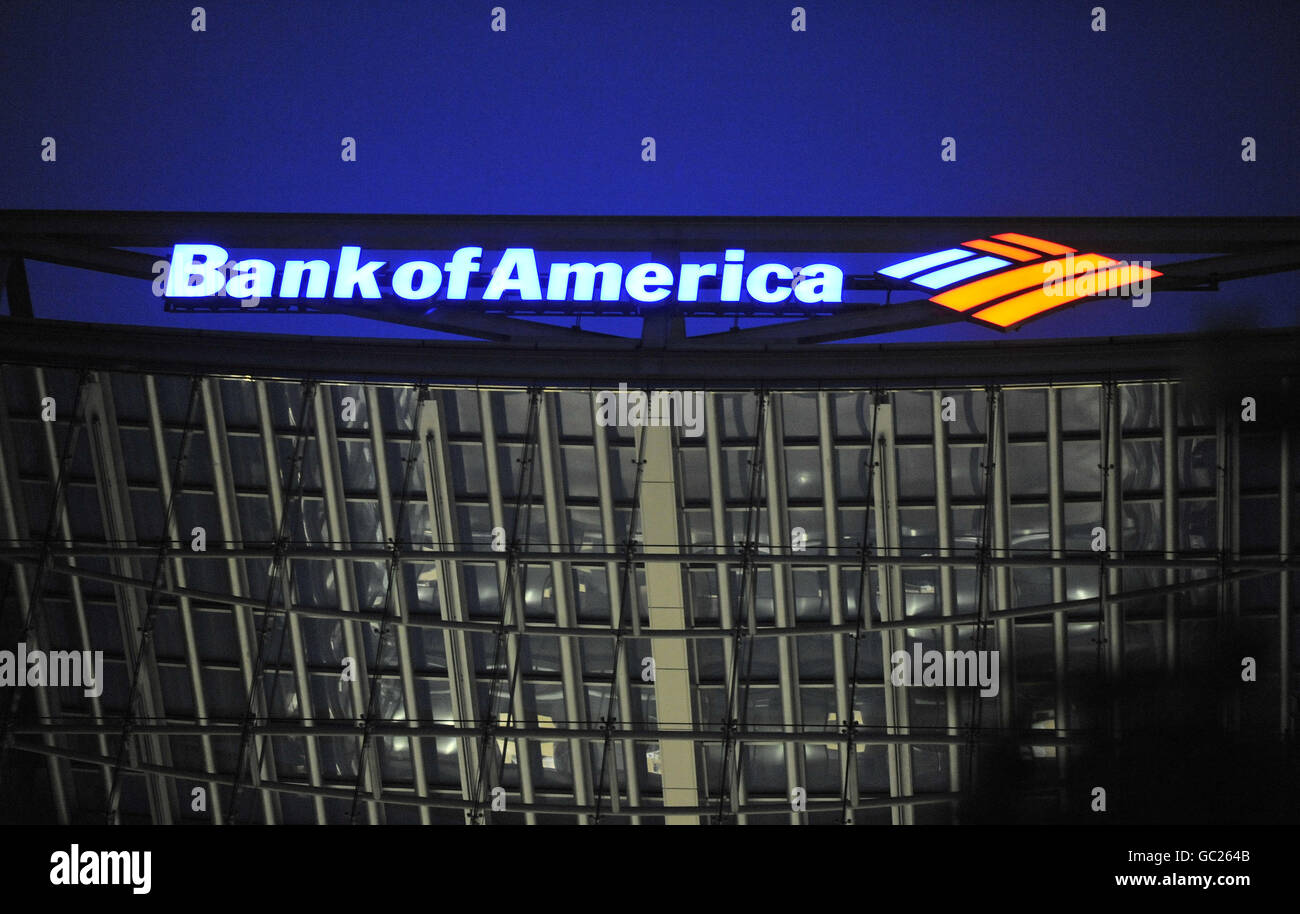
(1004,250)
(1036,244)
(981,291)
(1022,307)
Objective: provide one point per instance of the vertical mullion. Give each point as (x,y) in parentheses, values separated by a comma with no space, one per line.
(12,509)
(1223,507)
(345,581)
(176,568)
(462,687)
(384,491)
(245,620)
(1286,500)
(575,698)
(301,670)
(718,512)
(997,437)
(884,494)
(605,493)
(840,643)
(74,584)
(1056,521)
(496,507)
(1113,521)
(778,520)
(107,459)
(1234,430)
(947,585)
(1169,503)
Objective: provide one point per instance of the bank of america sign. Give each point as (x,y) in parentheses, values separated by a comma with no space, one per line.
(195,271)
(999,281)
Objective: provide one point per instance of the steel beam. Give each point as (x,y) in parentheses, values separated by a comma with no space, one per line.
(718,520)
(845,713)
(64,525)
(177,573)
(13,280)
(403,231)
(101,257)
(335,500)
(1056,538)
(1169,511)
(279,497)
(13,514)
(1112,518)
(1084,558)
(463,693)
(593,631)
(778,520)
(1286,485)
(1263,354)
(891,599)
(997,437)
(947,582)
(575,690)
(623,600)
(133,611)
(511,575)
(262,766)
(868,320)
(230,728)
(674,678)
(403,600)
(443,802)
(1261,261)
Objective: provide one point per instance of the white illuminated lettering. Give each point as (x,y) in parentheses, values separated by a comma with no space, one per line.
(688,288)
(463,262)
(731,275)
(821,282)
(255,277)
(183,268)
(291,280)
(526,283)
(197,270)
(584,281)
(756,284)
(640,277)
(431,279)
(351,276)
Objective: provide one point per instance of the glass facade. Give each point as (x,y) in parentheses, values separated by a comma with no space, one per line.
(331,602)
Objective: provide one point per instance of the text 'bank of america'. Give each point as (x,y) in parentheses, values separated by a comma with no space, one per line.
(195,271)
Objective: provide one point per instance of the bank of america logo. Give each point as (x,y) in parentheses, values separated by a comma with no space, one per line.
(1007,279)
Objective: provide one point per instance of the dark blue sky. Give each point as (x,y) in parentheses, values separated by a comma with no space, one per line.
(750,118)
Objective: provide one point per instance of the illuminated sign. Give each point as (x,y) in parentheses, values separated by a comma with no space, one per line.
(1000,281)
(196,271)
(1008,279)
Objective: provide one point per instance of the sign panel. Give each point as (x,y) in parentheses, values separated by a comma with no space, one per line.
(1008,279)
(197,271)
